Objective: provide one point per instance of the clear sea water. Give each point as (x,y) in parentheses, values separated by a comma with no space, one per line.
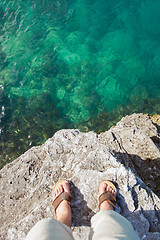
(75,64)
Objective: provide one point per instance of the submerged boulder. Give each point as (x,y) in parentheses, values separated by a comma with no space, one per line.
(128,154)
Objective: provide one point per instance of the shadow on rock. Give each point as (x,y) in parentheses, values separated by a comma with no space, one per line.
(81,213)
(141,220)
(147,170)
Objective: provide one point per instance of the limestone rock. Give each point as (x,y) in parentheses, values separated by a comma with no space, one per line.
(156,119)
(135,141)
(84,159)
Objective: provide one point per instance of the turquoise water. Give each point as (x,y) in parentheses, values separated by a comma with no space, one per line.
(75,64)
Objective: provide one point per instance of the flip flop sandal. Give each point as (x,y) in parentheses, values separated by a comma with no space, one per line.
(62,196)
(107,195)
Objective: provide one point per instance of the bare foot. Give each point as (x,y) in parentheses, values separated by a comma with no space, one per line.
(103,188)
(63,211)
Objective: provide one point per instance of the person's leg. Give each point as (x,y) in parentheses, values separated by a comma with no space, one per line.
(50,229)
(58,228)
(107,224)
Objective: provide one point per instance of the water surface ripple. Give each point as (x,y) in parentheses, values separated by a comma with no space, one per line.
(75,64)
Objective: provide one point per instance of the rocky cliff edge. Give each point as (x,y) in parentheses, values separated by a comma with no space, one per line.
(129,153)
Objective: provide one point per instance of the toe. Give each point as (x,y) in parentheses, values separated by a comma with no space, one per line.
(102,187)
(60,189)
(66,187)
(57,191)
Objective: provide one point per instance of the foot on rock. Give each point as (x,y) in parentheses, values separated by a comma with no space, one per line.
(63,210)
(107,204)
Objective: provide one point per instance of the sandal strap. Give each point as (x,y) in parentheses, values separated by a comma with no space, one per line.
(107,196)
(60,198)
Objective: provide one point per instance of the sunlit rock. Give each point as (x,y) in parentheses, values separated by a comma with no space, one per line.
(85,159)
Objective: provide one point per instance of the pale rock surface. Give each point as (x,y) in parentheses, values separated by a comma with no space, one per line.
(120,154)
(135,141)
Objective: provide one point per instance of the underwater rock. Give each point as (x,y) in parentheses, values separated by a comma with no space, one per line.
(85,159)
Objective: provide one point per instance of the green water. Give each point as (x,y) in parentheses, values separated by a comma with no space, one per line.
(75,64)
